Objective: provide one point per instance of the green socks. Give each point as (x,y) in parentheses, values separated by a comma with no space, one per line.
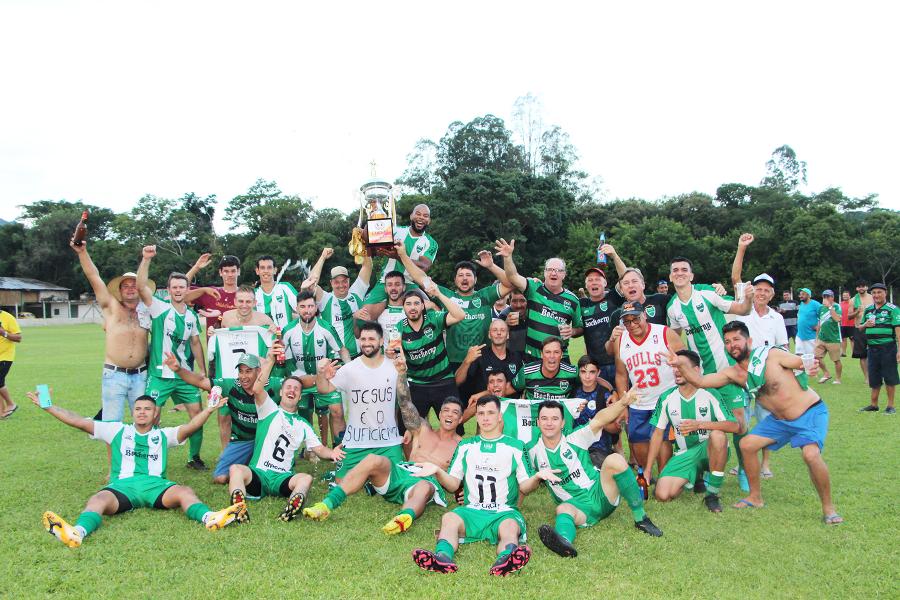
(444,547)
(334,498)
(195,512)
(194,443)
(715,482)
(565,526)
(736,438)
(506,551)
(89,522)
(629,490)
(408,511)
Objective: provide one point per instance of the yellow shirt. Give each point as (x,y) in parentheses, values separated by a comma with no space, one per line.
(8,348)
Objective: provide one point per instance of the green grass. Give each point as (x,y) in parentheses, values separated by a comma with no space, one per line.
(782,550)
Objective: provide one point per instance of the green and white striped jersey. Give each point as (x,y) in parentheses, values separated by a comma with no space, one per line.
(136,453)
(279,434)
(704,405)
(573,461)
(491,471)
(242,407)
(389,318)
(303,350)
(416,247)
(280,304)
(426,352)
(829,329)
(702,318)
(887,319)
(339,313)
(171,331)
(546,312)
(542,387)
(520,417)
(472,330)
(756,371)
(228,345)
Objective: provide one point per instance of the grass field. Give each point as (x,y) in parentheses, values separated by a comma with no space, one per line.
(782,550)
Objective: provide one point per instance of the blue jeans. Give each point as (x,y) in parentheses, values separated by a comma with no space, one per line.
(235,453)
(116,389)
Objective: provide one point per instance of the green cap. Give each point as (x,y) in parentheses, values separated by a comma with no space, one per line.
(249,360)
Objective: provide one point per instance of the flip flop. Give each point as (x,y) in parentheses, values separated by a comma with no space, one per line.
(744,504)
(766,474)
(9,413)
(833,519)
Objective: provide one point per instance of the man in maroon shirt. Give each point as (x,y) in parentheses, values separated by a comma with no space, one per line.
(213,308)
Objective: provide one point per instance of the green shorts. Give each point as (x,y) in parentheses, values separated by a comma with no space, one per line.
(597,510)
(180,391)
(140,491)
(355,455)
(733,396)
(268,483)
(689,463)
(401,481)
(484,524)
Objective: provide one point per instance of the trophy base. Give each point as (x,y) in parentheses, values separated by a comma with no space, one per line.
(380,233)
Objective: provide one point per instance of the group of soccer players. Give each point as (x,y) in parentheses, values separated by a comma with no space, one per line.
(373,361)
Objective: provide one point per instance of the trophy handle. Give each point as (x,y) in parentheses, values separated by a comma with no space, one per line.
(362,209)
(393,209)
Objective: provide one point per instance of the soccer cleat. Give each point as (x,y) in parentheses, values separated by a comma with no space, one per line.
(398,524)
(58,528)
(434,562)
(225,517)
(554,541)
(295,503)
(197,464)
(647,526)
(890,410)
(869,408)
(317,512)
(512,562)
(712,503)
(238,496)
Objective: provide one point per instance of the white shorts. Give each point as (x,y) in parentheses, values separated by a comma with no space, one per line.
(804,346)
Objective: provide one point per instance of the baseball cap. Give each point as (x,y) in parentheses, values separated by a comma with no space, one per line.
(249,360)
(338,271)
(662,282)
(877,286)
(595,270)
(828,293)
(807,290)
(764,277)
(632,308)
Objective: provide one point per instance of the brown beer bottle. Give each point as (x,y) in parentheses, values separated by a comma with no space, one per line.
(279,357)
(642,483)
(80,230)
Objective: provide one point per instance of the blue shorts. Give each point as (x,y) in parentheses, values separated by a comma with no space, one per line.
(639,428)
(235,453)
(809,428)
(116,389)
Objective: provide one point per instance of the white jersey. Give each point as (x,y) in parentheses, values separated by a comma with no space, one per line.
(646,364)
(279,434)
(339,313)
(702,318)
(135,454)
(388,319)
(228,346)
(370,404)
(280,304)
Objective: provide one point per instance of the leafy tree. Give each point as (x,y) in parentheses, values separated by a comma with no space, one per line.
(483,144)
(784,171)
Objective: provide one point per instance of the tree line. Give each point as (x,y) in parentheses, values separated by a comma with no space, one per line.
(483,181)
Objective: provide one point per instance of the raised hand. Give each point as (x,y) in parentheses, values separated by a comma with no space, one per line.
(474,353)
(148,251)
(400,363)
(485,259)
(327,367)
(504,248)
(327,253)
(203,261)
(745,240)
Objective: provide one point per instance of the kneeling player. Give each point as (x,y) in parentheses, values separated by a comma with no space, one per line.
(700,420)
(583,495)
(395,481)
(138,475)
(493,469)
(280,432)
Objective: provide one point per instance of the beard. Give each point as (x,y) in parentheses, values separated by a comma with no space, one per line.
(309,320)
(370,351)
(742,355)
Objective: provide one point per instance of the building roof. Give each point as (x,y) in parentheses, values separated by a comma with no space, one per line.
(29,285)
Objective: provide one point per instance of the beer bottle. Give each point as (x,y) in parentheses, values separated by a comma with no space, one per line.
(642,483)
(80,230)
(279,357)
(601,258)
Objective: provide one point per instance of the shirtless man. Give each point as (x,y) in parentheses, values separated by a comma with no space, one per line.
(798,414)
(245,312)
(394,481)
(124,364)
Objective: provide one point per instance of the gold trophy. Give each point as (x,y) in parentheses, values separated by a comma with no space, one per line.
(377,218)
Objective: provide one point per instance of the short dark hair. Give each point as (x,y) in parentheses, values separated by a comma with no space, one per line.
(306,295)
(736,326)
(691,356)
(371,326)
(452,400)
(588,360)
(392,274)
(417,293)
(682,259)
(497,372)
(265,257)
(465,264)
(229,260)
(551,340)
(294,377)
(551,404)
(860,282)
(489,399)
(145,397)
(177,275)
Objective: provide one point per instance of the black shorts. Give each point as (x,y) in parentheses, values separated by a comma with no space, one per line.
(791,331)
(4,369)
(883,365)
(598,455)
(860,348)
(432,395)
(847,331)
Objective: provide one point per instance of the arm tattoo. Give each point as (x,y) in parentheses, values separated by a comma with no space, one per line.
(411,418)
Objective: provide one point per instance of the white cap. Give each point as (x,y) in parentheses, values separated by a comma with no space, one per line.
(764,277)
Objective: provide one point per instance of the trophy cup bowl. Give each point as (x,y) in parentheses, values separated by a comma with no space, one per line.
(377,199)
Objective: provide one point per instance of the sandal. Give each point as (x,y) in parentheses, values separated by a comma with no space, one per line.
(9,413)
(833,519)
(744,504)
(766,474)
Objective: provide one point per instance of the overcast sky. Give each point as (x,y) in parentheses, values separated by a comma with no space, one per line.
(107,101)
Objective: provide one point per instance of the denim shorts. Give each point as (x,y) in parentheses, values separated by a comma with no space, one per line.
(116,389)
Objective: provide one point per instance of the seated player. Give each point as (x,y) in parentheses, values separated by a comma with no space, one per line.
(583,495)
(138,475)
(700,420)
(493,469)
(280,432)
(394,481)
